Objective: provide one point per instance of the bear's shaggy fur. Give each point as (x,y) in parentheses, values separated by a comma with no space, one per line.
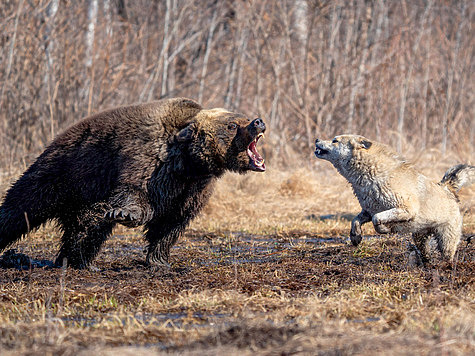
(150,165)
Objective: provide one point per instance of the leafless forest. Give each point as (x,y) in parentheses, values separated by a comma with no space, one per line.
(401,72)
(267,267)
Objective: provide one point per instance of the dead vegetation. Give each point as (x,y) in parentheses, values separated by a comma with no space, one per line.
(397,72)
(267,268)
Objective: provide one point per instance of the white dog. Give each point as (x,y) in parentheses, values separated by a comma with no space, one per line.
(395,196)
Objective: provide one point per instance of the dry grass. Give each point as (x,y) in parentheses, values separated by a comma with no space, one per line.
(266,269)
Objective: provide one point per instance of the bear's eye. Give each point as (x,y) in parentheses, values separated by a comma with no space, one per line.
(232,126)
(334,140)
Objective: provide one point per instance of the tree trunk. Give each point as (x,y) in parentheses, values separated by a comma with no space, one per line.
(49,77)
(209,41)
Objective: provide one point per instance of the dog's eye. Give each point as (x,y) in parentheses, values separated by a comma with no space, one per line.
(232,126)
(334,140)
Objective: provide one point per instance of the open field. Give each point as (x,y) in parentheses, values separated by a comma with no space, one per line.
(267,269)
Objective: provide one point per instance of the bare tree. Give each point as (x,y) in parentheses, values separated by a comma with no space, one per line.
(90,37)
(49,78)
(11,51)
(408,76)
(398,71)
(91,28)
(450,80)
(209,41)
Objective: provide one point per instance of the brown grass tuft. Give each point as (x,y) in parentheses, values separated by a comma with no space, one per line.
(263,269)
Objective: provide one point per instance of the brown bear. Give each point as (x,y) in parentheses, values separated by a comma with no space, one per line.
(150,165)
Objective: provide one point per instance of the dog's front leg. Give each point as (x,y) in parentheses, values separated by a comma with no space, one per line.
(356,223)
(384,220)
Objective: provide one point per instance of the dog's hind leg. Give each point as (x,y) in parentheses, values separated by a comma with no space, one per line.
(448,237)
(420,240)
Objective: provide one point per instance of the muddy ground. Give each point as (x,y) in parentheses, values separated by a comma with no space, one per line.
(238,293)
(266,269)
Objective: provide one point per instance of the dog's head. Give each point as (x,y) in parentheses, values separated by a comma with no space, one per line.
(341,149)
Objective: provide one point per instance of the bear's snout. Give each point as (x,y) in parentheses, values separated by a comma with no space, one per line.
(258,125)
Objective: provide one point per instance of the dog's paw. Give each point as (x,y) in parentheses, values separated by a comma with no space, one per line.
(355,232)
(414,259)
(355,237)
(380,227)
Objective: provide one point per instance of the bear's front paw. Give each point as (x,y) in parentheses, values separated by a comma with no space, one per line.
(127,216)
(157,261)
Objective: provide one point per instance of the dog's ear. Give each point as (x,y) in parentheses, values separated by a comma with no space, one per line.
(365,144)
(185,134)
(360,142)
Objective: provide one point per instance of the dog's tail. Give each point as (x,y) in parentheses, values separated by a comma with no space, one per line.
(458,176)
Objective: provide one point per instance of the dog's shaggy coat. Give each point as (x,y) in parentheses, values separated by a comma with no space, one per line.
(148,164)
(395,196)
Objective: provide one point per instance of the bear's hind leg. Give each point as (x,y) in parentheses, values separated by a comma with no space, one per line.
(80,247)
(82,240)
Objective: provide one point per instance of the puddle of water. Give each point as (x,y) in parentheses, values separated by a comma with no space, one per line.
(340,216)
(367,320)
(239,247)
(20,261)
(162,319)
(234,261)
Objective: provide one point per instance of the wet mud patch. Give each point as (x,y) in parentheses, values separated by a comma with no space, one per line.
(242,336)
(13,259)
(238,293)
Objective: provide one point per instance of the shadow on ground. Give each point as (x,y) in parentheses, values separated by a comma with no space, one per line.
(238,293)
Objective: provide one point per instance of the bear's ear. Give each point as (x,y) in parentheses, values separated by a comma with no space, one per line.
(185,134)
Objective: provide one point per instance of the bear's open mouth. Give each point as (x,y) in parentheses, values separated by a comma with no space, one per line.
(257,162)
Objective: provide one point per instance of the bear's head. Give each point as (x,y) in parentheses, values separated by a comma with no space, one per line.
(217,140)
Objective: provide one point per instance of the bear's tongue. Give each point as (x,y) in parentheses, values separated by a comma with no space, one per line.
(254,155)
